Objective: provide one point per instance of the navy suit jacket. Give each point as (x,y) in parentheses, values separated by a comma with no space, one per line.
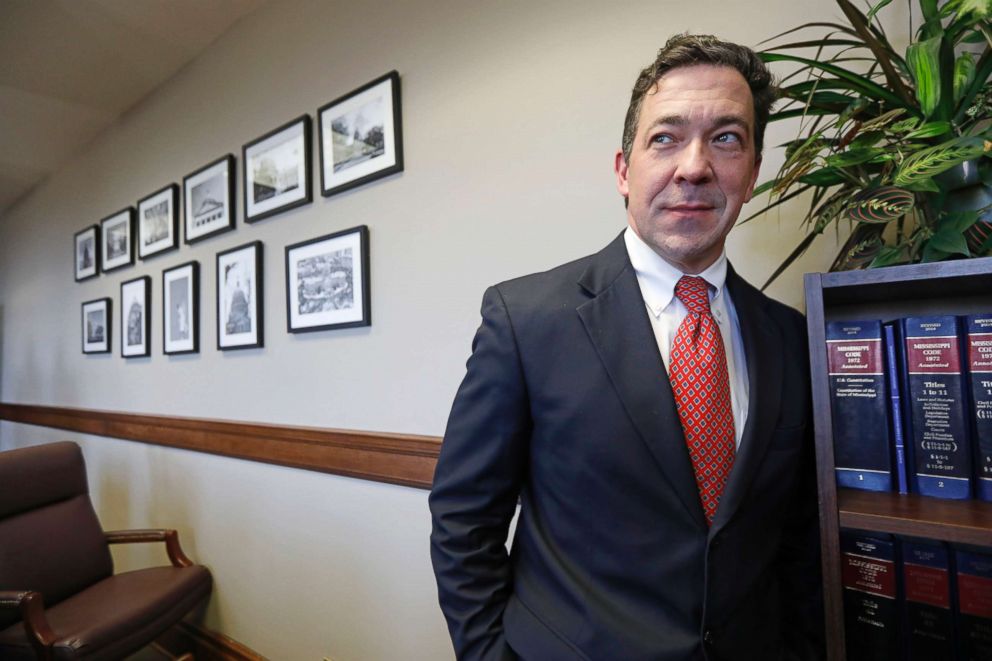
(567,407)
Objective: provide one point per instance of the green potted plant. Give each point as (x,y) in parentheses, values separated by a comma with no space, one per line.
(896,144)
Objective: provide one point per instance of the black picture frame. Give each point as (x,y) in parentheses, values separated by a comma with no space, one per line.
(325,288)
(276,155)
(117,234)
(181,309)
(136,317)
(376,100)
(97,325)
(158,222)
(209,200)
(240,290)
(86,253)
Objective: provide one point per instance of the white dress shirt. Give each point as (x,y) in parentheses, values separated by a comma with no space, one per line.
(657,279)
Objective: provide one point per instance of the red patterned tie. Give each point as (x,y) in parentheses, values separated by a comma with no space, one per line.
(698,373)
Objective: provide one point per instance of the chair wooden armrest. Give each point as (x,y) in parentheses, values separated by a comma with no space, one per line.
(32,608)
(170,537)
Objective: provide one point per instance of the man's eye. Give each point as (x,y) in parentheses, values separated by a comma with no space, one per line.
(662,138)
(728,137)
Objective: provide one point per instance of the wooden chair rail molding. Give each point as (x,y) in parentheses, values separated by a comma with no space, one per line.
(395,458)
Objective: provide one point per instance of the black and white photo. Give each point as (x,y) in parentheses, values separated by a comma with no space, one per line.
(327,282)
(277,170)
(136,317)
(86,250)
(158,222)
(117,232)
(96,326)
(239,297)
(181,309)
(208,196)
(361,136)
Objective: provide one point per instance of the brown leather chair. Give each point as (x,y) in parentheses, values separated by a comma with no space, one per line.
(59,596)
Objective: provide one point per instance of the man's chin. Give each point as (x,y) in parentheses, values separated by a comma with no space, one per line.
(687,254)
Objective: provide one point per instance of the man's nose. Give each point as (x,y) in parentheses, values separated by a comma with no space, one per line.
(694,163)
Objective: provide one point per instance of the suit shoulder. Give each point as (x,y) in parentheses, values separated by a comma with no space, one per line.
(545,287)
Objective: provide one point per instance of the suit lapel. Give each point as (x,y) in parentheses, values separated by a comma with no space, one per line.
(762,351)
(619,328)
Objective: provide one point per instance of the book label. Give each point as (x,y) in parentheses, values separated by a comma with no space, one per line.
(859,403)
(980,375)
(871,619)
(974,594)
(929,626)
(937,405)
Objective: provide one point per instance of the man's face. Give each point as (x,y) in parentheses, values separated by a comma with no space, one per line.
(692,164)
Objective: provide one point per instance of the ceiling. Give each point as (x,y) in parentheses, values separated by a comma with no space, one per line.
(72,67)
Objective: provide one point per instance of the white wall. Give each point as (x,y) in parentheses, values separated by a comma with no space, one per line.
(511,113)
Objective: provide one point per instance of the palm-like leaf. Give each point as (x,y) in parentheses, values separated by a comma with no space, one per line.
(926,163)
(872,120)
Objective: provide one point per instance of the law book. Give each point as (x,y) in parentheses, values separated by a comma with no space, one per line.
(935,403)
(900,457)
(973,579)
(928,616)
(979,336)
(870,587)
(859,405)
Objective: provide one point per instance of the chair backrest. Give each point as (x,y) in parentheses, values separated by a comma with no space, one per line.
(50,538)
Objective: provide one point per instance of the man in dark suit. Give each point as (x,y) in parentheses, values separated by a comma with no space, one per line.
(649,409)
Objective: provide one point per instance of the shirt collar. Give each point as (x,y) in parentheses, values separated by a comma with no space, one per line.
(658,278)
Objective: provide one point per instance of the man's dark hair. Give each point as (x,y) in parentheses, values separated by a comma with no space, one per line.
(685,50)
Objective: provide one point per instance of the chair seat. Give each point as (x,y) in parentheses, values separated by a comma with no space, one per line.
(115,616)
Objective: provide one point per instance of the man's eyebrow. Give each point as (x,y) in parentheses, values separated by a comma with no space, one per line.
(681,120)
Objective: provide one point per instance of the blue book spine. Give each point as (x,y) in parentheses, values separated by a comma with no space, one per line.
(979,329)
(973,582)
(892,347)
(870,585)
(929,620)
(937,399)
(859,405)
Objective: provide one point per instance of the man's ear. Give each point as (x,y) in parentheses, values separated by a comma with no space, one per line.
(620,169)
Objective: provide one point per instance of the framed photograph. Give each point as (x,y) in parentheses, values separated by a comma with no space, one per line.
(360,136)
(277,170)
(96,326)
(327,282)
(158,222)
(208,199)
(118,240)
(239,297)
(86,252)
(181,309)
(136,322)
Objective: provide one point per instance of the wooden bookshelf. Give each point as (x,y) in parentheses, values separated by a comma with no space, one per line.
(966,522)
(956,287)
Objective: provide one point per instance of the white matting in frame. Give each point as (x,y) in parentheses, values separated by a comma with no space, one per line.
(96,326)
(208,199)
(239,297)
(327,283)
(361,136)
(181,309)
(135,319)
(277,170)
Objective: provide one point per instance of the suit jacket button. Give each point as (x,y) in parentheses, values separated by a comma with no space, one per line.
(708,637)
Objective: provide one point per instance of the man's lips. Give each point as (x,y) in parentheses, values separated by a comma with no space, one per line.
(692,206)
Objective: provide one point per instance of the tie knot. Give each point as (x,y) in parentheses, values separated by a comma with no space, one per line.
(694,294)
